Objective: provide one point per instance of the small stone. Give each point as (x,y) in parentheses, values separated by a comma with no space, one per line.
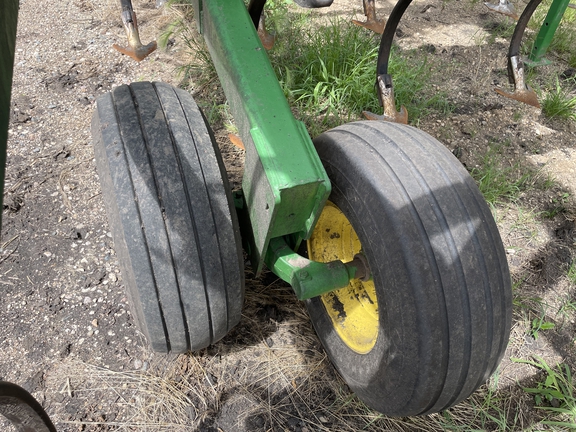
(137,364)
(95,322)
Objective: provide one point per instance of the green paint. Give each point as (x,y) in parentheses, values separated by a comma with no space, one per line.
(546,33)
(285,186)
(307,278)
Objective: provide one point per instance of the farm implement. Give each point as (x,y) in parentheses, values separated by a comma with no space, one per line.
(375,224)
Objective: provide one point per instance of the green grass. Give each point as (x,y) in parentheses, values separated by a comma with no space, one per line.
(557,205)
(572,273)
(199,69)
(498,181)
(329,76)
(539,324)
(554,395)
(534,312)
(567,308)
(559,103)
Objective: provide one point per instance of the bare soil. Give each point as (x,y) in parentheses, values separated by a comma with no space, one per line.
(66,332)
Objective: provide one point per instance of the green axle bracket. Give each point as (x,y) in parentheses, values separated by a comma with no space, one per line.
(311,278)
(285,185)
(546,33)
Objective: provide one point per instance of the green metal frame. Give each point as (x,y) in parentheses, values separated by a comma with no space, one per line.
(546,33)
(285,186)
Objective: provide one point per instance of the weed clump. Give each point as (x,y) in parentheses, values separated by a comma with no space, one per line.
(558,103)
(330,75)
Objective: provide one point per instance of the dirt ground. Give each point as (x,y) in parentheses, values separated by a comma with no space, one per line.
(66,333)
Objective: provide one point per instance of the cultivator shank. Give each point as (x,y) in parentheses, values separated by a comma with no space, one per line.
(522,92)
(372,22)
(136,49)
(386,95)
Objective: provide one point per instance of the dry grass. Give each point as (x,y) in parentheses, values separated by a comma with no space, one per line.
(269,374)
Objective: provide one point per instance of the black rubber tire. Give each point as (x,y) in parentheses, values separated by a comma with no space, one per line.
(23,410)
(442,280)
(171,215)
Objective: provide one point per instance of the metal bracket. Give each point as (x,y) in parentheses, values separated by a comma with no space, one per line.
(311,278)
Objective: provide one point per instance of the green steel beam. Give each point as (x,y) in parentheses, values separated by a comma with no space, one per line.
(546,33)
(285,186)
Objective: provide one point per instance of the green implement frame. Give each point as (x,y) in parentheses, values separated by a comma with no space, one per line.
(285,186)
(546,33)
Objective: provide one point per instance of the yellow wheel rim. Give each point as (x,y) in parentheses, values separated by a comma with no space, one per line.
(353,309)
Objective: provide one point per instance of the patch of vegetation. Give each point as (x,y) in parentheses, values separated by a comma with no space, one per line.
(539,323)
(558,205)
(329,76)
(533,311)
(559,103)
(555,394)
(499,182)
(567,308)
(500,29)
(572,273)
